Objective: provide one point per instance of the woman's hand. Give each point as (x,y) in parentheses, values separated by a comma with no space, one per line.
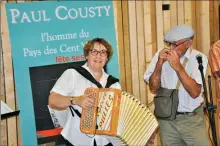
(84,101)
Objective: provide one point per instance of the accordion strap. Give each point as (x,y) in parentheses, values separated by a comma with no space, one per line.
(87,75)
(111,80)
(72,109)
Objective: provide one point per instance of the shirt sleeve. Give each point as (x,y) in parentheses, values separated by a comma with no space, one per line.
(65,84)
(151,68)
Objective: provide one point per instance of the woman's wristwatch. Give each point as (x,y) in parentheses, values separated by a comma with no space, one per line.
(71,100)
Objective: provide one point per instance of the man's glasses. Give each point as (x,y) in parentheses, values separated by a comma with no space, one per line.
(175,44)
(95,52)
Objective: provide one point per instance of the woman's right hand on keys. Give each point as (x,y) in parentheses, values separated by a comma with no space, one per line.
(84,101)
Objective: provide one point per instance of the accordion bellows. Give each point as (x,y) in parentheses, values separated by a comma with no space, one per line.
(121,117)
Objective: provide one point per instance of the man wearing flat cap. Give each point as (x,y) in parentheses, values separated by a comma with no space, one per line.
(175,68)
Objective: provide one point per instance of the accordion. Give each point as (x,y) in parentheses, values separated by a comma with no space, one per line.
(121,117)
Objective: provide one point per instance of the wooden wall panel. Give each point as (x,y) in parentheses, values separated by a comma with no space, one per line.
(120,40)
(127,54)
(204,29)
(166,18)
(149,30)
(159,24)
(173,13)
(180,12)
(198,25)
(133,48)
(150,37)
(188,13)
(4,139)
(9,80)
(194,23)
(141,50)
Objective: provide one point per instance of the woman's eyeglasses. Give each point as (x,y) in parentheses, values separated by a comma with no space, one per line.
(95,52)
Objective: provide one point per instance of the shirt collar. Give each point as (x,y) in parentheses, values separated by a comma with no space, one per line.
(104,74)
(87,68)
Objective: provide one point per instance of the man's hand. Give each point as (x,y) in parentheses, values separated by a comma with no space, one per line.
(84,101)
(174,60)
(163,55)
(154,80)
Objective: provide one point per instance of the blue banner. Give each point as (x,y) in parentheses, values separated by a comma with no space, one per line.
(52,33)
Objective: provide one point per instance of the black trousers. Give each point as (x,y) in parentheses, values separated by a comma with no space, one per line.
(69,144)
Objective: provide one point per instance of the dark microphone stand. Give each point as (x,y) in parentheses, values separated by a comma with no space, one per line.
(209,106)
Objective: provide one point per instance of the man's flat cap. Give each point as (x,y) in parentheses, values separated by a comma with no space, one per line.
(179,32)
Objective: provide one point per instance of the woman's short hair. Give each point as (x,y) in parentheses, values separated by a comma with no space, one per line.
(90,44)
